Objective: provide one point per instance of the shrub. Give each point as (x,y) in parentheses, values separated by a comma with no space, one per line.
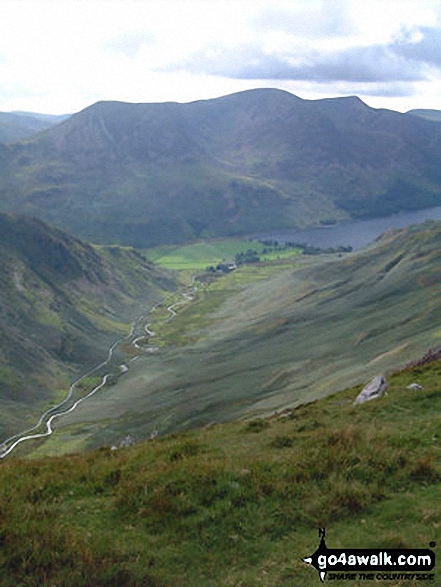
(256,426)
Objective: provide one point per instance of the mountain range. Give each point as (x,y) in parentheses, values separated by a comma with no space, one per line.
(15,126)
(143,174)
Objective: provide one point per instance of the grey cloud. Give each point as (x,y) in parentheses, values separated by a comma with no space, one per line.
(364,64)
(130,43)
(360,64)
(407,59)
(245,62)
(426,50)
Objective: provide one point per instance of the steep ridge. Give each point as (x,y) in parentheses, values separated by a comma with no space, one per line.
(61,302)
(144,174)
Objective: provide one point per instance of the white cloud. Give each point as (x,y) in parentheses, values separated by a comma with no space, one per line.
(307,20)
(130,43)
(61,55)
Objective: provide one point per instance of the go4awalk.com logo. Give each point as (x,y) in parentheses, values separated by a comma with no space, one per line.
(387,564)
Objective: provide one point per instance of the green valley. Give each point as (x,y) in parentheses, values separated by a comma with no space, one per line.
(236,382)
(177,393)
(220,293)
(199,256)
(268,336)
(62,303)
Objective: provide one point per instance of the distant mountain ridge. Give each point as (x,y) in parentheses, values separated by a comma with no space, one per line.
(16,126)
(429,114)
(144,174)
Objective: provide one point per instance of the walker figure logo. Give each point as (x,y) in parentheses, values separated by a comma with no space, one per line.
(372,563)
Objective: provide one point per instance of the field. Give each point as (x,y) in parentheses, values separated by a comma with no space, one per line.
(199,256)
(233,504)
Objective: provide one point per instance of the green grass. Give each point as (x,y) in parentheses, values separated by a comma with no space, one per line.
(234,504)
(208,296)
(199,256)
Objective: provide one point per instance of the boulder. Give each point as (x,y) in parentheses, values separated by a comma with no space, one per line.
(372,390)
(414,386)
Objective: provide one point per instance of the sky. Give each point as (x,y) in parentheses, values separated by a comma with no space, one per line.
(60,56)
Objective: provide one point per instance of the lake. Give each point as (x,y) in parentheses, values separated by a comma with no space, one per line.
(356,233)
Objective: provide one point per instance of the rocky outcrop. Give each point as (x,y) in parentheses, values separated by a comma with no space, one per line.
(372,390)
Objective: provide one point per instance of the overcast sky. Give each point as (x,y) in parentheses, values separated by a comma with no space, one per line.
(59,56)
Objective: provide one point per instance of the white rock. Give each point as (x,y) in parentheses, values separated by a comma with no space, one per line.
(372,390)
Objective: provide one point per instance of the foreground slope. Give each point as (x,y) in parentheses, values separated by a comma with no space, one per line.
(144,174)
(263,338)
(235,504)
(61,302)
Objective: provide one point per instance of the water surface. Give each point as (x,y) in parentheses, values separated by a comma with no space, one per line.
(355,233)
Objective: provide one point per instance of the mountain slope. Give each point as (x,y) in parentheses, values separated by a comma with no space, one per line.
(248,347)
(61,303)
(235,504)
(144,174)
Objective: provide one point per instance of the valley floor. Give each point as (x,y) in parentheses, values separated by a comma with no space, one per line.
(268,336)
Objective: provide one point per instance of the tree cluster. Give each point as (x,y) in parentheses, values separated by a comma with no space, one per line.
(249,256)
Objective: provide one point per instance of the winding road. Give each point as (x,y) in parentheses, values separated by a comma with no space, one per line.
(188,298)
(8,445)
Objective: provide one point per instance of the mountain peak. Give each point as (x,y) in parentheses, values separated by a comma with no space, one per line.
(343,102)
(249,162)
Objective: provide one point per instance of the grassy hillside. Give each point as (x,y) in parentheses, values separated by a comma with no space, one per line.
(62,302)
(266,337)
(235,504)
(149,174)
